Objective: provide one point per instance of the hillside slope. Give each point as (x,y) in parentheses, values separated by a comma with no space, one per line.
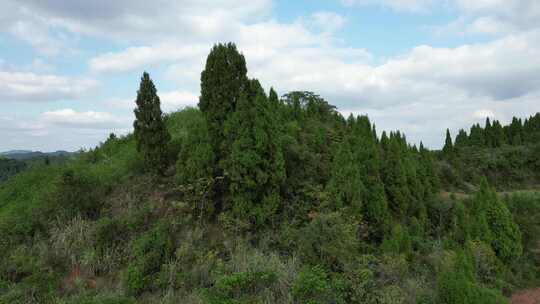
(263,200)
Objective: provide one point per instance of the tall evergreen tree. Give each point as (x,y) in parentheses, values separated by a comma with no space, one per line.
(345,185)
(462,139)
(395,177)
(476,136)
(150,133)
(255,165)
(497,134)
(488,134)
(448,148)
(515,132)
(493,223)
(223,79)
(368,158)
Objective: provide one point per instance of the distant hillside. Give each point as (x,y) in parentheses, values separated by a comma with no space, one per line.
(15,161)
(26,154)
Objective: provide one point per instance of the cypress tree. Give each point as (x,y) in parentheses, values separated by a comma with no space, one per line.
(223,79)
(493,223)
(196,156)
(151,134)
(488,134)
(506,236)
(476,137)
(448,148)
(345,185)
(515,132)
(255,165)
(395,178)
(368,158)
(273,98)
(498,137)
(461,139)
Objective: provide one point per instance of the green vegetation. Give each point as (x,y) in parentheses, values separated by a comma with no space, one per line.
(150,132)
(9,167)
(254,198)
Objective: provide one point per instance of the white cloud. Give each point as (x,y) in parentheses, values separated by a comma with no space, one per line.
(137,21)
(398,5)
(136,57)
(175,100)
(85,120)
(170,101)
(328,21)
(483,113)
(26,86)
(495,17)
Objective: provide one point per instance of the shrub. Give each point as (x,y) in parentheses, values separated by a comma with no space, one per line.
(149,252)
(312,286)
(328,240)
(240,287)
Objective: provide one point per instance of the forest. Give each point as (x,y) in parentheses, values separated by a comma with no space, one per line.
(257,197)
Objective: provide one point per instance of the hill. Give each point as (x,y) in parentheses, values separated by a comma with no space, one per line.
(16,161)
(261,199)
(26,154)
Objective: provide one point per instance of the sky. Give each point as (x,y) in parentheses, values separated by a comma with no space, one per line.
(70,69)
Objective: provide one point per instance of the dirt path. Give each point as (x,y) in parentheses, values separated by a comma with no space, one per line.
(529,296)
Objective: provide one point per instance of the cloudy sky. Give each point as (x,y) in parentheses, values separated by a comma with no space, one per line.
(69,69)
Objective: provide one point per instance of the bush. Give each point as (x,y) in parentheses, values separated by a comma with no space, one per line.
(240,287)
(312,286)
(328,240)
(149,252)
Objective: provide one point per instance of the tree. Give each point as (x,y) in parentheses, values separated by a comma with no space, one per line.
(196,157)
(462,139)
(223,80)
(476,137)
(395,178)
(488,133)
(448,148)
(367,157)
(255,165)
(494,224)
(150,132)
(497,133)
(515,131)
(345,185)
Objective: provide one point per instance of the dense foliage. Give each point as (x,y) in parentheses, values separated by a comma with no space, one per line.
(508,156)
(151,135)
(9,167)
(273,200)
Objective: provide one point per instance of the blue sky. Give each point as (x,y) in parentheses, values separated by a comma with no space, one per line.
(69,70)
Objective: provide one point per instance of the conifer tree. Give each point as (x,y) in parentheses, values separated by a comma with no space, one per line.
(498,137)
(488,134)
(461,139)
(223,79)
(506,237)
(150,133)
(273,98)
(493,223)
(345,185)
(476,136)
(196,156)
(448,148)
(461,220)
(395,178)
(255,165)
(367,157)
(515,132)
